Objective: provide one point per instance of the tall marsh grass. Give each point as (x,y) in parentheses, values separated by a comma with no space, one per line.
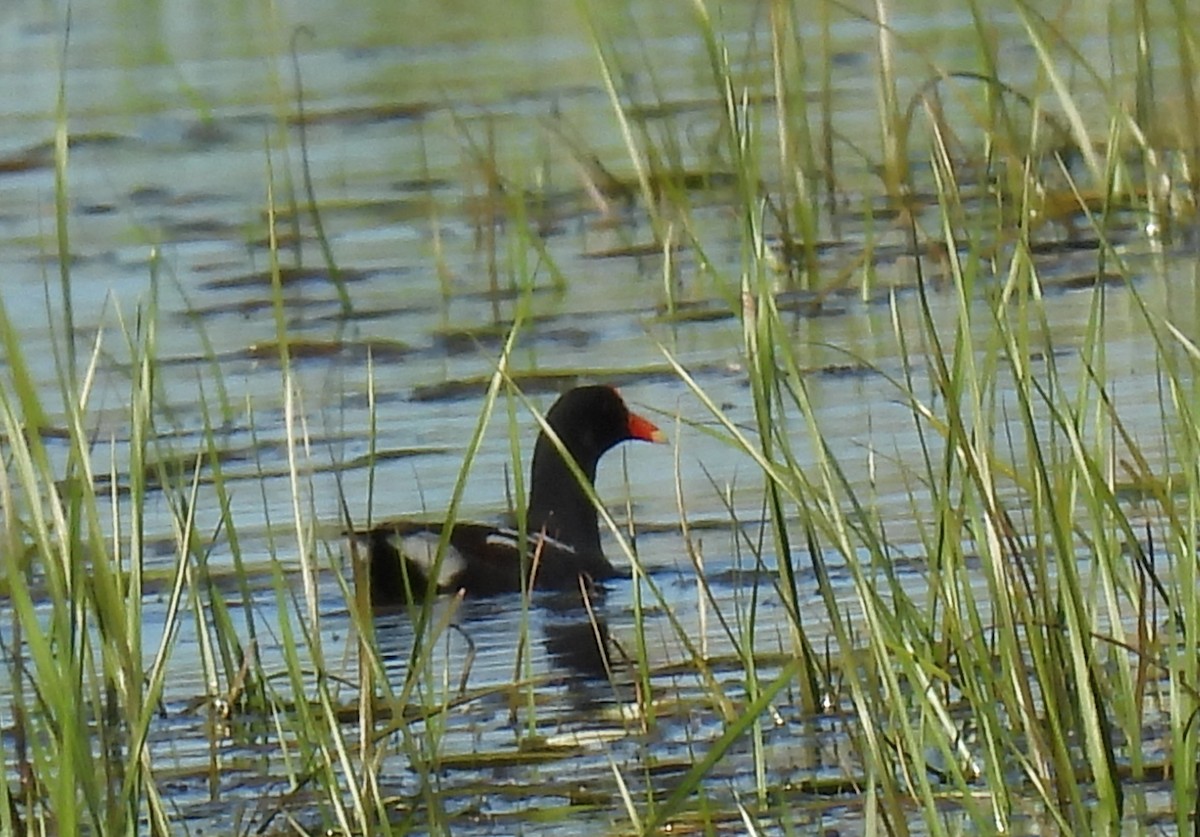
(1050,652)
(1047,669)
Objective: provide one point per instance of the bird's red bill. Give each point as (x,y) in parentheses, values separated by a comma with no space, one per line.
(644,429)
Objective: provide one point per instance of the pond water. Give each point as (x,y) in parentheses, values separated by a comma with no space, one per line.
(184,130)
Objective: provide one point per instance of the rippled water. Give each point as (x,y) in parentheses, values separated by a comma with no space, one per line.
(182,118)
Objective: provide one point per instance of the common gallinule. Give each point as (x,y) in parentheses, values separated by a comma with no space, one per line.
(560,521)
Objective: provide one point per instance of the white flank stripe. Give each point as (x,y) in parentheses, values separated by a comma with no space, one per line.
(508,539)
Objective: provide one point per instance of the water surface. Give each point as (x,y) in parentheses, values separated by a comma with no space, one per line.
(185,136)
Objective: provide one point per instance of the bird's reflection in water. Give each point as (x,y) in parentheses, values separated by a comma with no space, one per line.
(582,648)
(477,641)
(575,636)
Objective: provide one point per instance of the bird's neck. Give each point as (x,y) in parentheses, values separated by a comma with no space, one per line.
(557,504)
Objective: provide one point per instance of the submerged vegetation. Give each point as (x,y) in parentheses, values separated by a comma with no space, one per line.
(1013,649)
